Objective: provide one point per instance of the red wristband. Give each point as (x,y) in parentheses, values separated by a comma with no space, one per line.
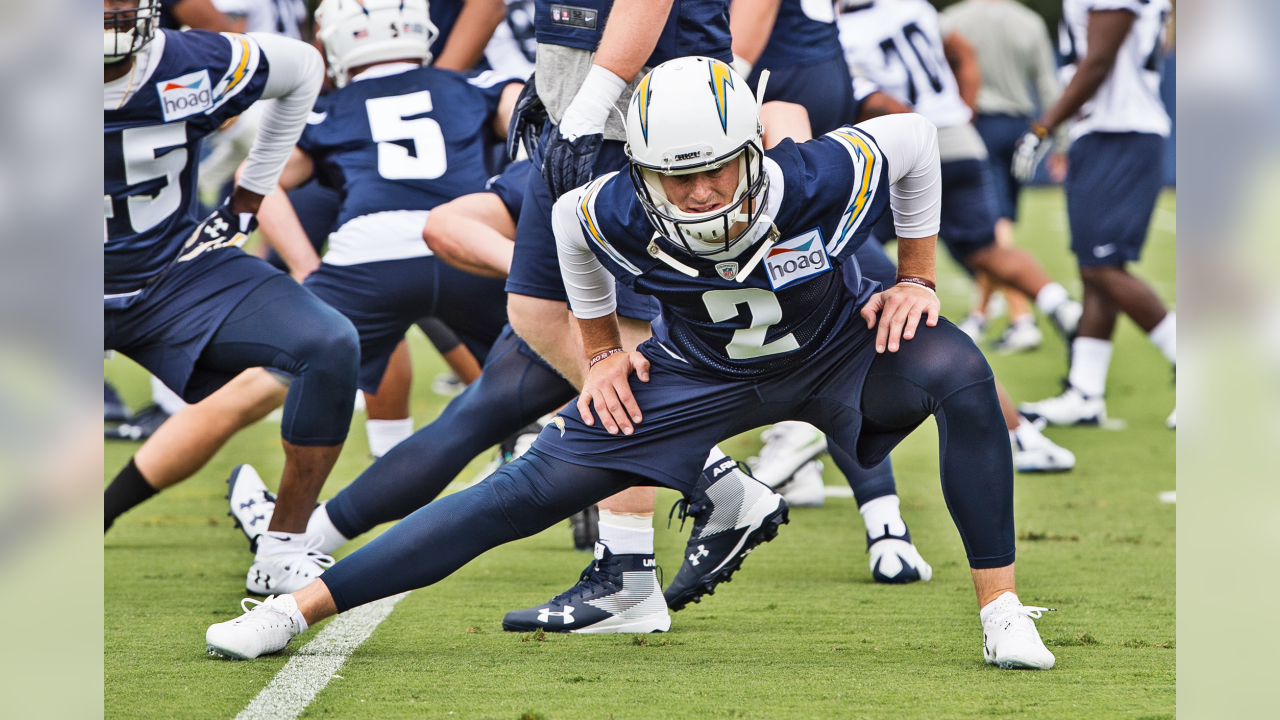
(602,356)
(922,282)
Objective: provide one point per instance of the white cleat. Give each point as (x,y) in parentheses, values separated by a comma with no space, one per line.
(1067,318)
(896,561)
(974,326)
(1033,452)
(288,572)
(1069,408)
(805,488)
(1171,422)
(1019,338)
(252,504)
(262,630)
(1010,640)
(787,447)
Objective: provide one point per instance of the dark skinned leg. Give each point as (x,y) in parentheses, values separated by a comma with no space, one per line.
(1126,293)
(1010,266)
(305,470)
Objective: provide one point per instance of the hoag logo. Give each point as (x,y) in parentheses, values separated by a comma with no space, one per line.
(797,258)
(185,96)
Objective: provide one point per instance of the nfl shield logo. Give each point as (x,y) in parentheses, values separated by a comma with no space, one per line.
(727,270)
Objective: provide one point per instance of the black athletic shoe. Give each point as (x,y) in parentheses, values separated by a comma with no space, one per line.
(586,528)
(734,513)
(113,408)
(895,560)
(615,594)
(141,426)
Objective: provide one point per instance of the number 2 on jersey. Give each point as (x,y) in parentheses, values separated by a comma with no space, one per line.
(765,311)
(391,121)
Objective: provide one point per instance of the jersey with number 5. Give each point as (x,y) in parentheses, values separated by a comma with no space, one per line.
(192,82)
(897,44)
(410,139)
(824,196)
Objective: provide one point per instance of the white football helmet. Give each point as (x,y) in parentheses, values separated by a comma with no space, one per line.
(128,30)
(690,115)
(363,32)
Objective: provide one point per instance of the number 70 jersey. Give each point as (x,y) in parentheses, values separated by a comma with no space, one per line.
(186,84)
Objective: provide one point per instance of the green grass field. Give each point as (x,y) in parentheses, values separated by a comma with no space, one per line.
(802,632)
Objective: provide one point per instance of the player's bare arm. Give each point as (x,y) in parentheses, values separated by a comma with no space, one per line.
(898,310)
(1107,31)
(607,386)
(279,224)
(751,22)
(963,60)
(470,34)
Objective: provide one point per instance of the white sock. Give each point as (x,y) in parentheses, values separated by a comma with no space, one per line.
(386,434)
(715,456)
(320,524)
(168,400)
(1050,297)
(1165,337)
(882,511)
(1090,359)
(1027,319)
(626,533)
(280,543)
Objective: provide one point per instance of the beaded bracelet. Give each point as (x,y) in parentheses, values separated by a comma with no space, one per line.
(602,356)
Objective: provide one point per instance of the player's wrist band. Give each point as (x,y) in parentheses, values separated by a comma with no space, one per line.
(922,282)
(602,356)
(1039,130)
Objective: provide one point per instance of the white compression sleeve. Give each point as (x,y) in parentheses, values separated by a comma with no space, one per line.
(588,285)
(295,75)
(910,145)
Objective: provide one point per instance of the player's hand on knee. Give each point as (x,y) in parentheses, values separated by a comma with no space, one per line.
(897,312)
(608,390)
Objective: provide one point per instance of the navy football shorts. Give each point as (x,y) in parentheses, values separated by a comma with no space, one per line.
(168,326)
(510,185)
(535,267)
(382,299)
(1001,133)
(968,210)
(823,88)
(1113,182)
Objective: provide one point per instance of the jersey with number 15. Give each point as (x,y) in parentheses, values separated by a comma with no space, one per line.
(401,137)
(189,83)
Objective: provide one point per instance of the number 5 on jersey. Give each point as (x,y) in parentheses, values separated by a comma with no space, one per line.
(393,120)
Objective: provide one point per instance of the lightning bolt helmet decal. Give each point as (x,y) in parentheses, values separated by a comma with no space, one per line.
(721,81)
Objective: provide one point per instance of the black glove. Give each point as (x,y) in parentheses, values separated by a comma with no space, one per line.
(221,229)
(527,119)
(568,164)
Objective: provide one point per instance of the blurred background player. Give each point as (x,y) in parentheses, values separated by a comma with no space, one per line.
(897,44)
(180,298)
(1014,55)
(1113,51)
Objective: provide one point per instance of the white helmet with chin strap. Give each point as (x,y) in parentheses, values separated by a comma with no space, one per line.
(128,30)
(689,115)
(364,32)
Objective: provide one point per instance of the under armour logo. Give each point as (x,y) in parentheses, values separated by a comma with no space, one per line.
(216,228)
(566,617)
(256,518)
(724,466)
(702,552)
(263,580)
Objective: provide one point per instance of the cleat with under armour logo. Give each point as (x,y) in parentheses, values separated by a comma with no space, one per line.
(895,560)
(615,594)
(252,504)
(733,514)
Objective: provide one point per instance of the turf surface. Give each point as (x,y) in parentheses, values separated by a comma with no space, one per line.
(802,632)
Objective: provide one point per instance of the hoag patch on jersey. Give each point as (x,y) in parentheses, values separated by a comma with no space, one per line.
(185,96)
(797,258)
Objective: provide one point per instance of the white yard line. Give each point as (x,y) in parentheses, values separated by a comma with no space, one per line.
(307,672)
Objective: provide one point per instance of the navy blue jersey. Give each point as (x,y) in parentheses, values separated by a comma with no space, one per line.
(694,27)
(408,141)
(825,195)
(804,33)
(151,148)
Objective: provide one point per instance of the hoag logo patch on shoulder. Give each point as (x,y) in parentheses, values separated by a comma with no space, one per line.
(797,258)
(185,96)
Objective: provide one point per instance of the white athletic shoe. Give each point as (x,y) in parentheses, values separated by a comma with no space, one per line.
(974,326)
(252,504)
(1069,408)
(1171,422)
(805,488)
(262,630)
(896,561)
(1067,318)
(288,572)
(1018,338)
(1033,452)
(1009,637)
(787,447)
